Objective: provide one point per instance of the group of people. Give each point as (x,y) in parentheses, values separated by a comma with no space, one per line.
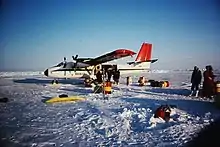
(108,74)
(115,74)
(208,89)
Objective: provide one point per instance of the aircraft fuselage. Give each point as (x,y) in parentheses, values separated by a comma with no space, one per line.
(89,71)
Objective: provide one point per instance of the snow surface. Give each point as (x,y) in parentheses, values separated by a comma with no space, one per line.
(124,118)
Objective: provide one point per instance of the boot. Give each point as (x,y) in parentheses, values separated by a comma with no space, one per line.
(191,93)
(197,93)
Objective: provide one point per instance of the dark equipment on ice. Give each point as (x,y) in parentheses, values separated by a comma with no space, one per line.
(217,94)
(63,95)
(4,100)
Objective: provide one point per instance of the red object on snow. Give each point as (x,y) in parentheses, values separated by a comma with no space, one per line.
(163,112)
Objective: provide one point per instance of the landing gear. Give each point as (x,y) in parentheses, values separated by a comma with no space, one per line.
(88,82)
(54,82)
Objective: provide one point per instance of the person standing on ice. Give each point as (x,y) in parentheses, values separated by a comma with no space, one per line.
(208,83)
(109,74)
(116,76)
(196,81)
(99,77)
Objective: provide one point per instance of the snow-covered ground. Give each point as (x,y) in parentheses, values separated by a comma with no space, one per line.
(125,119)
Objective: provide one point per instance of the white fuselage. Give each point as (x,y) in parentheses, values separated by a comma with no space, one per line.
(134,68)
(82,73)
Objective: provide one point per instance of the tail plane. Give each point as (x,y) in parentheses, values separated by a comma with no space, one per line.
(144,55)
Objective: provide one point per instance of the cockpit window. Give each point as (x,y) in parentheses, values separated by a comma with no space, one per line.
(60,64)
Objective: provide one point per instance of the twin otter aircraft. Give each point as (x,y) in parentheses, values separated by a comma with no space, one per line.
(87,67)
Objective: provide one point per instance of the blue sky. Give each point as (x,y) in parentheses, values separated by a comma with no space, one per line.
(36,34)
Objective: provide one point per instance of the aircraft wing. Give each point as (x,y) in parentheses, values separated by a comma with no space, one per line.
(117,54)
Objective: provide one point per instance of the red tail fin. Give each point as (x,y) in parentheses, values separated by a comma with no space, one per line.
(145,52)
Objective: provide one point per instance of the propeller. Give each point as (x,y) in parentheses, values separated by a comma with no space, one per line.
(64,61)
(75,58)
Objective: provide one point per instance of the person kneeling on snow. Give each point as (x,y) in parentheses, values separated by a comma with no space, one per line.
(163,112)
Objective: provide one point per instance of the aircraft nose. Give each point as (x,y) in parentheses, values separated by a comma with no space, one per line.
(46,72)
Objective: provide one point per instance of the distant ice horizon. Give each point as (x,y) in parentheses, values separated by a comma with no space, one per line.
(152,69)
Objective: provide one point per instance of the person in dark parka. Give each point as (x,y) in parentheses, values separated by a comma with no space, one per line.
(109,74)
(116,76)
(99,77)
(196,81)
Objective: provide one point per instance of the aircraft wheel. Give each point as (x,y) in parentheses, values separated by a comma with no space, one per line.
(54,82)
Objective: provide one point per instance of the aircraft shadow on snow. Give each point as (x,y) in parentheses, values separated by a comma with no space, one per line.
(47,81)
(160,91)
(184,92)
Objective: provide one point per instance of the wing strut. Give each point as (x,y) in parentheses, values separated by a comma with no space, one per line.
(88,71)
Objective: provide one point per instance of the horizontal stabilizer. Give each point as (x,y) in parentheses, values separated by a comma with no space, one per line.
(129,63)
(152,61)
